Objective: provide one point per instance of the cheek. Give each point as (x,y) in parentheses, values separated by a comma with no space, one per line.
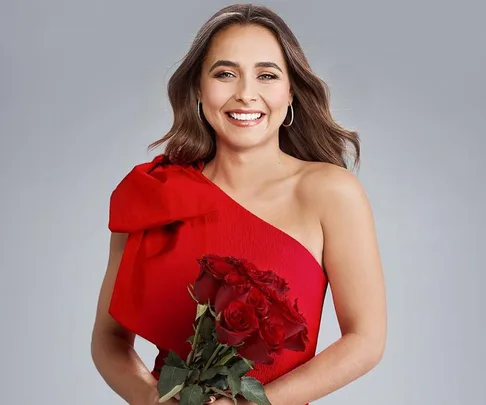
(277,99)
(216,95)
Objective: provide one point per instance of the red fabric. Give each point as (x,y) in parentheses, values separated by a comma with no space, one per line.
(174,215)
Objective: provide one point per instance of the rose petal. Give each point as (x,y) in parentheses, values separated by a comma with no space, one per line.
(228,337)
(206,288)
(226,295)
(218,266)
(297,342)
(255,349)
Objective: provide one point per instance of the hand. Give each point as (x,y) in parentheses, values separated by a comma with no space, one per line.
(227,401)
(223,401)
(213,401)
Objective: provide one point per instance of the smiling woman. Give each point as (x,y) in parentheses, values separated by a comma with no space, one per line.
(246,51)
(243,63)
(255,169)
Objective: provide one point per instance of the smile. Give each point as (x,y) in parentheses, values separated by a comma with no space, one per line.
(244,119)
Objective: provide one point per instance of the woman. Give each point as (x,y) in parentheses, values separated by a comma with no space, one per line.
(254,167)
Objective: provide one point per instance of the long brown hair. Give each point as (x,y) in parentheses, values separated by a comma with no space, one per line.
(313,135)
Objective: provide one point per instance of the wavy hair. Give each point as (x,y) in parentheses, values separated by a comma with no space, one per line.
(313,135)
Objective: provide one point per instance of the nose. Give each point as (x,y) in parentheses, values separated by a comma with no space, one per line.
(245,91)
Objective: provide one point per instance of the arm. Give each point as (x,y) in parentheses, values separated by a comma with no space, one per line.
(112,346)
(351,259)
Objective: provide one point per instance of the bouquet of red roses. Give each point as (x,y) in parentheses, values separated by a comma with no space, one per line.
(243,317)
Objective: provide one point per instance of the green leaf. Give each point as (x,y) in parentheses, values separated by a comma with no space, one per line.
(227,357)
(220,392)
(170,377)
(249,362)
(211,372)
(174,360)
(193,376)
(197,356)
(192,395)
(234,383)
(171,393)
(218,381)
(208,351)
(253,391)
(207,327)
(240,368)
(201,310)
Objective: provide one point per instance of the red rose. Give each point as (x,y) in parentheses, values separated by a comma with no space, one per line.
(238,282)
(218,266)
(252,308)
(213,270)
(258,301)
(265,279)
(297,342)
(272,332)
(238,321)
(206,287)
(256,350)
(283,327)
(234,287)
(294,323)
(280,285)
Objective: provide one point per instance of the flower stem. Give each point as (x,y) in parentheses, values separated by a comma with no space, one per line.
(213,356)
(224,350)
(194,342)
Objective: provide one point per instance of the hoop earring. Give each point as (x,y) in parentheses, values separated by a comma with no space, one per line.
(291,115)
(198,113)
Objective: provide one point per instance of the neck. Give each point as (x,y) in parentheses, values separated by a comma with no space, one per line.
(246,171)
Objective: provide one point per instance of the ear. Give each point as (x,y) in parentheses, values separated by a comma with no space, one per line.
(291,97)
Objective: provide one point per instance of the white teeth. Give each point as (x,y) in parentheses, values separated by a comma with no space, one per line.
(245,117)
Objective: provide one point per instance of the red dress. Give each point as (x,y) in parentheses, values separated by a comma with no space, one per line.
(174,215)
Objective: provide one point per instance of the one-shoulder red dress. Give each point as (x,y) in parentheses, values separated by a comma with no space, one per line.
(174,214)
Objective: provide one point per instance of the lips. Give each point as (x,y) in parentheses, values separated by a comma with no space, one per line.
(255,117)
(240,111)
(245,117)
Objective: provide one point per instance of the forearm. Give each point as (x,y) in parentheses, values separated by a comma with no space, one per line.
(339,364)
(123,370)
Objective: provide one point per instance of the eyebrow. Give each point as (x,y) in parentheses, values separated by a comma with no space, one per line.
(237,65)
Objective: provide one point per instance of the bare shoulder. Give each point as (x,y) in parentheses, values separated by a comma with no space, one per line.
(325,186)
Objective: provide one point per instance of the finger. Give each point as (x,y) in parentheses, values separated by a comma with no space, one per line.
(211,400)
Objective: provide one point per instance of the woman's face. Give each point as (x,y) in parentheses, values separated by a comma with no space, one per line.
(245,87)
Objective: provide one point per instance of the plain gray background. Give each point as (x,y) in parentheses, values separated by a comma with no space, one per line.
(83,94)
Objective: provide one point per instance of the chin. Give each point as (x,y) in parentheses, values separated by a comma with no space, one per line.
(245,140)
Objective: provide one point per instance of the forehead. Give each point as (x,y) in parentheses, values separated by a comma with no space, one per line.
(245,45)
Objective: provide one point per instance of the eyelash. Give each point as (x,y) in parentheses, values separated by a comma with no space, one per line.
(222,75)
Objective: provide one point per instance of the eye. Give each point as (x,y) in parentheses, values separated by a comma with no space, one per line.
(224,75)
(267,76)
